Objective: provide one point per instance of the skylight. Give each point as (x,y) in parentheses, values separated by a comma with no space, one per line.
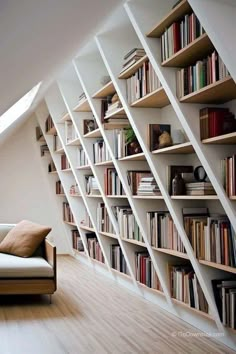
(19,108)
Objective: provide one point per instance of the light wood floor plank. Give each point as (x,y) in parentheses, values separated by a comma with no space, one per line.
(92,314)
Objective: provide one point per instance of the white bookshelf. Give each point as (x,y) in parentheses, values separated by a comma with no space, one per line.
(103,56)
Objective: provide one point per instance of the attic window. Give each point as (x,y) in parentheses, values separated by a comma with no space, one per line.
(19,108)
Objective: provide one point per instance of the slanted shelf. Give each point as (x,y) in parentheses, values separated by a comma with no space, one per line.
(105,91)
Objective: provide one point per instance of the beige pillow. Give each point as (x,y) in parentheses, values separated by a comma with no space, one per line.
(23,239)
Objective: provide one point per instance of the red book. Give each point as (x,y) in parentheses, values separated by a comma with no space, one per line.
(176,35)
(216,123)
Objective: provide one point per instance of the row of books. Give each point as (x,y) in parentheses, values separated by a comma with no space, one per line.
(162,232)
(51,167)
(112,182)
(94,248)
(82,159)
(57,145)
(104,223)
(117,259)
(49,124)
(180,34)
(77,243)
(145,272)
(185,287)
(142,82)
(127,223)
(216,121)
(225,297)
(211,237)
(64,163)
(229,175)
(142,183)
(100,151)
(70,132)
(59,188)
(132,57)
(67,213)
(44,150)
(91,185)
(202,73)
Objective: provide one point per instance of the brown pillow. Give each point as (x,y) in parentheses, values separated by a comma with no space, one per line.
(23,239)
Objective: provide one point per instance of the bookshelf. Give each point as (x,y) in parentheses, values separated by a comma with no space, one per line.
(161,106)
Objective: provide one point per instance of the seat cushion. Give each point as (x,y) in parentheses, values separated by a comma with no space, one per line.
(18,267)
(23,239)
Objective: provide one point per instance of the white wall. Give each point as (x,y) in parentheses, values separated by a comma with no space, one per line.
(26,189)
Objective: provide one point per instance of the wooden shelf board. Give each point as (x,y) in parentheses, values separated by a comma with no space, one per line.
(108,234)
(116,196)
(233,197)
(82,107)
(85,167)
(104,163)
(76,195)
(135,157)
(222,139)
(219,92)
(42,139)
(194,51)
(126,276)
(218,266)
(93,195)
(172,252)
(59,151)
(70,223)
(155,291)
(155,99)
(115,124)
(75,142)
(135,242)
(133,68)
(87,228)
(105,91)
(67,170)
(53,172)
(51,131)
(113,114)
(201,313)
(174,15)
(185,148)
(65,117)
(94,134)
(195,197)
(147,196)
(60,194)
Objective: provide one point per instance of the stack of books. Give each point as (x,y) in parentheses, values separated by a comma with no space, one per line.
(203,73)
(145,272)
(59,188)
(162,232)
(142,183)
(94,248)
(64,163)
(143,82)
(185,287)
(91,185)
(180,34)
(132,57)
(117,259)
(229,175)
(199,188)
(104,223)
(82,159)
(112,182)
(100,151)
(112,108)
(216,121)
(128,226)
(67,213)
(225,297)
(77,243)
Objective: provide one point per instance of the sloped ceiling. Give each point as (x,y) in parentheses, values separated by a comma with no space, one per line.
(38,37)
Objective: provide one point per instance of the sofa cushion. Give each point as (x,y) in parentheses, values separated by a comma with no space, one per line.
(23,239)
(18,267)
(4,229)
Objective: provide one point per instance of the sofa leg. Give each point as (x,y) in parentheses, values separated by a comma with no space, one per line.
(50,299)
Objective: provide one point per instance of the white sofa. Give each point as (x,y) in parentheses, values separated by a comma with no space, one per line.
(33,275)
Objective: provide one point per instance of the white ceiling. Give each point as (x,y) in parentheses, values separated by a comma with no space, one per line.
(38,37)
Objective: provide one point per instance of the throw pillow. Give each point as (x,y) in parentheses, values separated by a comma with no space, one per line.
(23,239)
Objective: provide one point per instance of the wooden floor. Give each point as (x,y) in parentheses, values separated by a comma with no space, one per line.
(91,314)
